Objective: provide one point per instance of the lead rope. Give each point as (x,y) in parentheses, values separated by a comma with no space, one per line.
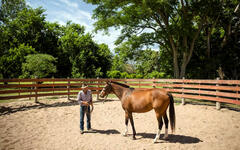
(105,98)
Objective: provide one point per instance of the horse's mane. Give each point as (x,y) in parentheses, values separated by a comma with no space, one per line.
(121,84)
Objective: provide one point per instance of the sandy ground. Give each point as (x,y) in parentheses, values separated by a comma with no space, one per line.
(54,124)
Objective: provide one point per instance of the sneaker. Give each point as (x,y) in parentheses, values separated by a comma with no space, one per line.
(81,131)
(89,129)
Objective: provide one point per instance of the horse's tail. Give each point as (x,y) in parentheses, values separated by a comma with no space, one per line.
(172,113)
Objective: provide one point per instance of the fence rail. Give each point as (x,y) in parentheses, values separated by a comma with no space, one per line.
(226,91)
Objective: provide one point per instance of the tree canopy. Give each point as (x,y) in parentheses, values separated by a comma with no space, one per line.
(38,66)
(25,31)
(175,26)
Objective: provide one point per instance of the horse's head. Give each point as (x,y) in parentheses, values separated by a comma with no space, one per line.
(106,90)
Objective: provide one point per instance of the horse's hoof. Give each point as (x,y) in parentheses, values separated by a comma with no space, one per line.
(134,138)
(124,134)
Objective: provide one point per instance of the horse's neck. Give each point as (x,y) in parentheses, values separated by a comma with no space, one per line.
(119,90)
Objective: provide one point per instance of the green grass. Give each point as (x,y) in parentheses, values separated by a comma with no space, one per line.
(7,101)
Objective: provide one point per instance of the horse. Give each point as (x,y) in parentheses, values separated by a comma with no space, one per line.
(141,101)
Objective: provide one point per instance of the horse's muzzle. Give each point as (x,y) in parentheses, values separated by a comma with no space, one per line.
(102,94)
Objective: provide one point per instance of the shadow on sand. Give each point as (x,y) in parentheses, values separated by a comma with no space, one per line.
(108,132)
(5,110)
(173,138)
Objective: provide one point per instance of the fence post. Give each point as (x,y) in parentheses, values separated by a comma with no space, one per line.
(237,92)
(68,88)
(218,104)
(139,84)
(153,85)
(32,88)
(183,99)
(19,89)
(36,87)
(30,92)
(53,84)
(98,88)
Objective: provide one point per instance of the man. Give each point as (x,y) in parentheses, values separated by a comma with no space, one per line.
(85,100)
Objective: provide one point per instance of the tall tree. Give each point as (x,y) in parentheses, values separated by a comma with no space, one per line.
(11,63)
(10,8)
(88,58)
(175,24)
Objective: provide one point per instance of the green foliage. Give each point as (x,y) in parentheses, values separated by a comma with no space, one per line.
(78,55)
(10,63)
(39,66)
(89,60)
(114,74)
(123,75)
(175,26)
(156,75)
(10,8)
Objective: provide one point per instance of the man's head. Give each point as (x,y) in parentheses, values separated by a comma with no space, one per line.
(84,88)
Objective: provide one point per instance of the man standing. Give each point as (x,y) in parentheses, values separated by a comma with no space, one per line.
(85,100)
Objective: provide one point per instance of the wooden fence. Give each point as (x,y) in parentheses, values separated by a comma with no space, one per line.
(226,91)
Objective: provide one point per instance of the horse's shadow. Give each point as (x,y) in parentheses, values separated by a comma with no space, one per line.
(173,138)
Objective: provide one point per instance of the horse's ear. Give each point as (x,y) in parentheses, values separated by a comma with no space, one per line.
(109,82)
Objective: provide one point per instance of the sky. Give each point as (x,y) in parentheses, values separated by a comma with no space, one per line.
(76,11)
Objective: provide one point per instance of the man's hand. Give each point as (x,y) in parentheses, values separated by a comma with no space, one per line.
(85,103)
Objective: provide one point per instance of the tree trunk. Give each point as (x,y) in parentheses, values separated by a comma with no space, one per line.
(208,43)
(175,58)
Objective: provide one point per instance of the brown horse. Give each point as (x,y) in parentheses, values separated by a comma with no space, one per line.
(141,101)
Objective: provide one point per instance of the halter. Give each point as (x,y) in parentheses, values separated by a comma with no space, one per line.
(107,89)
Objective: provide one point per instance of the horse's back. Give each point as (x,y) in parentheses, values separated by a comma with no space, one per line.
(146,100)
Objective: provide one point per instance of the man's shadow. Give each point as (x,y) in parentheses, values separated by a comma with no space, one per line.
(108,132)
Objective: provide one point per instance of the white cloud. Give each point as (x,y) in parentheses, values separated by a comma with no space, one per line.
(107,39)
(69,3)
(80,17)
(78,12)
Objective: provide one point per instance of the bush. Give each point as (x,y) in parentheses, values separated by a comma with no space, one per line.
(114,74)
(124,75)
(38,65)
(155,74)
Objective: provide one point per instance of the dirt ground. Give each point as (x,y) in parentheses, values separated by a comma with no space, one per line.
(54,124)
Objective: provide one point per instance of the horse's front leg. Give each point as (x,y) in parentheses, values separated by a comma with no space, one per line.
(132,123)
(126,124)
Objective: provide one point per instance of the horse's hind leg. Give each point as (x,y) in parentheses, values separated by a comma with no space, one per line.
(126,123)
(160,124)
(166,126)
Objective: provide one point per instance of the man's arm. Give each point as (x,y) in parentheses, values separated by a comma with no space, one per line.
(79,98)
(90,97)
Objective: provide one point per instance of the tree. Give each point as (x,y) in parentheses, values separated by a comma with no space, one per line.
(10,8)
(174,24)
(22,33)
(88,58)
(39,66)
(11,63)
